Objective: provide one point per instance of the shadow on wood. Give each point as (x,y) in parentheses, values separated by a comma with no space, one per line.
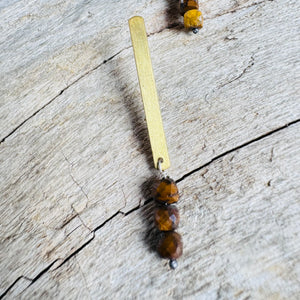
(133,105)
(173,16)
(152,235)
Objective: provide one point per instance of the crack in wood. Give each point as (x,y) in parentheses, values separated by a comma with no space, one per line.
(68,234)
(250,64)
(74,180)
(145,203)
(13,284)
(238,148)
(32,281)
(79,217)
(68,219)
(80,187)
(173,25)
(61,92)
(236,9)
(28,279)
(77,214)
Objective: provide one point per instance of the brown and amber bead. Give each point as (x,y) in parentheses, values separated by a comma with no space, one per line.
(186,5)
(192,17)
(170,245)
(167,191)
(166,218)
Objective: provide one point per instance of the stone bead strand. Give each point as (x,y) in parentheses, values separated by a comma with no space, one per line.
(166,219)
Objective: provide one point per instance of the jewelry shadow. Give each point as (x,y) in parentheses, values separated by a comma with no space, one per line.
(133,103)
(173,16)
(152,234)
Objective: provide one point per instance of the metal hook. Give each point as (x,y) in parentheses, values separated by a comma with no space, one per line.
(159,167)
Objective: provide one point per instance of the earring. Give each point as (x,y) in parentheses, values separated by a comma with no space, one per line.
(192,16)
(167,218)
(166,214)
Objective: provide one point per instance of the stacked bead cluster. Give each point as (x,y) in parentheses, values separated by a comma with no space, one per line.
(192,16)
(167,219)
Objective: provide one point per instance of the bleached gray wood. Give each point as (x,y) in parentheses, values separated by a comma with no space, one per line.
(85,156)
(240,226)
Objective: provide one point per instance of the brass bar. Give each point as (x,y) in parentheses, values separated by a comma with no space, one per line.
(148,92)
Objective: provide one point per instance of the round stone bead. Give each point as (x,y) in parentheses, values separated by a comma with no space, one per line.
(166,217)
(193,19)
(167,191)
(170,245)
(186,5)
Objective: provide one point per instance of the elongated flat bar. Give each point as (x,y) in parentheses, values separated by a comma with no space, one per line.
(148,91)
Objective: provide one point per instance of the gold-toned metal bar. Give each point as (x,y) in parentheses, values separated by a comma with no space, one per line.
(148,91)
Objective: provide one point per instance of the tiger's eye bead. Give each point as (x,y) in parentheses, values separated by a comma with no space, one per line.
(186,5)
(193,19)
(170,245)
(166,218)
(167,191)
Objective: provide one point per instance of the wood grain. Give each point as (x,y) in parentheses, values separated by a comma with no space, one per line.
(239,222)
(76,161)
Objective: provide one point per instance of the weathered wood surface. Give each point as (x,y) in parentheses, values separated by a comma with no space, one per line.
(75,156)
(240,224)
